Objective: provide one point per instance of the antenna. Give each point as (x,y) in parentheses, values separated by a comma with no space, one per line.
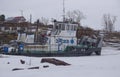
(21,12)
(63,10)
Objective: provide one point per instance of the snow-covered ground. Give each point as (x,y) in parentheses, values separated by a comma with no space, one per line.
(106,65)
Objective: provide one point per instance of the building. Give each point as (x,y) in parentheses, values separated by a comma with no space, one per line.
(18,19)
(13,24)
(13,27)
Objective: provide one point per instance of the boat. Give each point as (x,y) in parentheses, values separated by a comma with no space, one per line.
(60,41)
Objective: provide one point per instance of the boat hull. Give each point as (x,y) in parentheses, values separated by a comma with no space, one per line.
(67,53)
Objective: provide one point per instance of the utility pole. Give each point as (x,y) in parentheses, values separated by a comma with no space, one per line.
(30,23)
(30,18)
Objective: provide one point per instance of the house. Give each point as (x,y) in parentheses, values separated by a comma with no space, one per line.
(17,19)
(14,24)
(13,27)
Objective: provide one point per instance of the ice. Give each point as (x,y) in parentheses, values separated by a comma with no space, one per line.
(106,65)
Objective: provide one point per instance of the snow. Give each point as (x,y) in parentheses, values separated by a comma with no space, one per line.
(106,65)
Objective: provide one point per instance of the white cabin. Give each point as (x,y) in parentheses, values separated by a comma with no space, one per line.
(62,35)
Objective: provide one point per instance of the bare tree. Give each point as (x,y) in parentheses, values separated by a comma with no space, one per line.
(75,15)
(44,20)
(109,22)
(2,17)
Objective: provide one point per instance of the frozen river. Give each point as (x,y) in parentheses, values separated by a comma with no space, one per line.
(106,65)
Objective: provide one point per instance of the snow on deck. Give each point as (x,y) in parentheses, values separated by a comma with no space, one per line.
(106,65)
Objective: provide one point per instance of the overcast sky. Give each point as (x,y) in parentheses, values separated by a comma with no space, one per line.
(92,9)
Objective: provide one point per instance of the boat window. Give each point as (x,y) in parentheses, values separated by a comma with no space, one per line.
(72,27)
(60,26)
(67,27)
(76,27)
(63,26)
(56,27)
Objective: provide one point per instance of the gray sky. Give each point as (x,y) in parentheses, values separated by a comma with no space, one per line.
(92,9)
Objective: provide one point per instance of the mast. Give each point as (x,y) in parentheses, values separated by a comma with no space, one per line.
(36,32)
(21,11)
(63,10)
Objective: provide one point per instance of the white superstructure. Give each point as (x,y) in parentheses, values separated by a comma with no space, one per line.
(62,35)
